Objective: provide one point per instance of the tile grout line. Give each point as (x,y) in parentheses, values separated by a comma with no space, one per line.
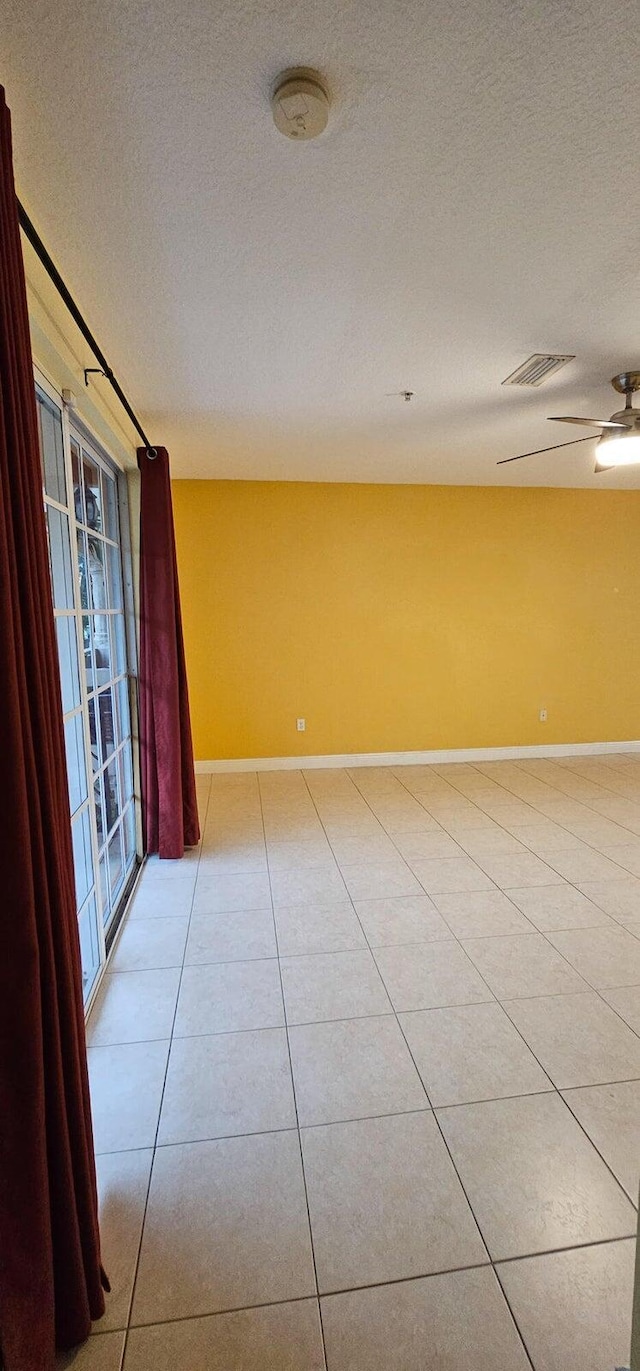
(520,800)
(554,1090)
(571,884)
(453,937)
(164,1083)
(434,1115)
(450,936)
(450,1155)
(293,1090)
(377,1285)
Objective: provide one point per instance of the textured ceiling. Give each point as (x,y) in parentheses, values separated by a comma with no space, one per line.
(474,199)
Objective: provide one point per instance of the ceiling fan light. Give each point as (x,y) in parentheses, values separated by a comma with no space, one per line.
(618,449)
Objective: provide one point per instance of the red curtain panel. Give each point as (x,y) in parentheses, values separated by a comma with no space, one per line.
(50,1275)
(170,812)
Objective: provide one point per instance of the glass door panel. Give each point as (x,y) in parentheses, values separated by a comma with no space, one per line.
(66,610)
(106,668)
(90,946)
(85,556)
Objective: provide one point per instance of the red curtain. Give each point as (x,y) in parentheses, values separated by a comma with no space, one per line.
(169,808)
(50,1276)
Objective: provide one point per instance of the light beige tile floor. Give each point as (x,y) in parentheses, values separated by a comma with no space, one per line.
(365,1075)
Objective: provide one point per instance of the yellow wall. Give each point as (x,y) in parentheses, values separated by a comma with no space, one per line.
(407,617)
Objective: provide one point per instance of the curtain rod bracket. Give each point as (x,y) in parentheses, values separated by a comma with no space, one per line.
(97,371)
(65,294)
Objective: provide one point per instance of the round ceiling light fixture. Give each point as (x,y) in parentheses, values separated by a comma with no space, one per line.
(300,104)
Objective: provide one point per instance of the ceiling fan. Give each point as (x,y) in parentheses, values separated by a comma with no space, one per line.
(619,441)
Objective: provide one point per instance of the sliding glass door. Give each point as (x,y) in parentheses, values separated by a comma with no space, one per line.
(105,668)
(85,495)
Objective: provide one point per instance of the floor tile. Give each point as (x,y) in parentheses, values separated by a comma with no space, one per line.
(441,1323)
(557,906)
(377,780)
(401,919)
(240,845)
(510,816)
(427,846)
(279,1337)
(285,829)
(456,873)
(546,837)
(455,822)
(232,829)
(148,944)
(353,1069)
(430,975)
(229,996)
(610,1115)
(481,913)
(522,966)
(469,1053)
(385,1202)
(307,928)
(313,887)
(102,1352)
(224,894)
(578,1039)
(178,869)
(496,842)
(357,823)
(564,811)
(225,1222)
(226,1227)
(626,1002)
(134,1006)
(399,821)
(604,836)
(232,858)
(242,936)
(627,856)
(524,869)
(621,899)
(384,879)
(123,1181)
(126,1090)
(226,1084)
(293,856)
(605,957)
(334,985)
(356,850)
(533,1179)
(587,865)
(573,1309)
(156,899)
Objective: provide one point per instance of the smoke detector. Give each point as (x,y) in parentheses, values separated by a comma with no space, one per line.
(300,104)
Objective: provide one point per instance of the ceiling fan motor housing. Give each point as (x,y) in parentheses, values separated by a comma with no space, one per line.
(627,382)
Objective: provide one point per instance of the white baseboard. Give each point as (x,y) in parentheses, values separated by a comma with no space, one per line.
(456,754)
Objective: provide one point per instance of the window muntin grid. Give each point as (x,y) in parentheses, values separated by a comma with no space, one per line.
(101,593)
(82,516)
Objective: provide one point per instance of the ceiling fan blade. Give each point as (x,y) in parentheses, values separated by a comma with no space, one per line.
(538,450)
(593,423)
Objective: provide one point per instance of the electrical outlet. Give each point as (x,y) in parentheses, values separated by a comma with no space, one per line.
(301,724)
(543,716)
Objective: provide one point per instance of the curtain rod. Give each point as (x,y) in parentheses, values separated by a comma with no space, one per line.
(65,294)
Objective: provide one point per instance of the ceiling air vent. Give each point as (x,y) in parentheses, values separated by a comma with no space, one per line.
(537,369)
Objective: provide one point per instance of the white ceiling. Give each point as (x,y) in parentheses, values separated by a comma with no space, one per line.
(475,198)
